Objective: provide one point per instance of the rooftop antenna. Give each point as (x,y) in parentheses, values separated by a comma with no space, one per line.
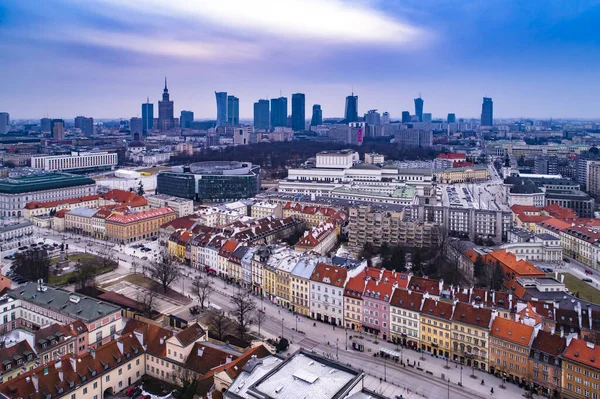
(419,94)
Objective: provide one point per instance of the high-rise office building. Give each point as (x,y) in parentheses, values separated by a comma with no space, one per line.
(317,116)
(4,122)
(221,98)
(279,111)
(373,117)
(261,114)
(351,111)
(419,108)
(166,113)
(427,117)
(147,116)
(385,118)
(186,119)
(487,112)
(451,118)
(85,124)
(298,112)
(545,165)
(406,117)
(58,129)
(45,125)
(233,111)
(136,126)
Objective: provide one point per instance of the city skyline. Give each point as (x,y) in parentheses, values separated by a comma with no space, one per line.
(102,58)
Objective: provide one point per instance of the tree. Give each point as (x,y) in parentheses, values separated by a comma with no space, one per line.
(219,324)
(243,310)
(9,164)
(282,345)
(260,317)
(146,299)
(202,288)
(165,270)
(417,262)
(367,252)
(189,385)
(497,280)
(479,267)
(32,265)
(85,276)
(140,190)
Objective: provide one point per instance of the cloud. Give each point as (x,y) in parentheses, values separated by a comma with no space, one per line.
(322,21)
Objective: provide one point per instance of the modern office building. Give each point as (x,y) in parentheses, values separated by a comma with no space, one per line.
(373,117)
(406,117)
(419,102)
(385,117)
(85,124)
(58,129)
(261,114)
(317,115)
(487,112)
(351,111)
(221,98)
(279,111)
(76,161)
(218,181)
(427,117)
(147,116)
(451,118)
(16,192)
(136,126)
(186,119)
(298,112)
(45,125)
(166,116)
(593,185)
(233,111)
(545,165)
(4,122)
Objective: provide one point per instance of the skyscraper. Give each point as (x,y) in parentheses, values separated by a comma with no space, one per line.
(261,114)
(385,117)
(279,111)
(298,112)
(166,117)
(406,117)
(58,129)
(419,108)
(373,117)
(451,118)
(487,112)
(85,124)
(351,112)
(147,117)
(221,108)
(45,125)
(4,122)
(427,117)
(317,116)
(136,126)
(186,119)
(233,111)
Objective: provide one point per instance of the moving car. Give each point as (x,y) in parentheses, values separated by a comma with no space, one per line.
(588,272)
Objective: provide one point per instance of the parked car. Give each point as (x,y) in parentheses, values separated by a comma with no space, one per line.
(588,272)
(566,260)
(587,280)
(133,391)
(194,310)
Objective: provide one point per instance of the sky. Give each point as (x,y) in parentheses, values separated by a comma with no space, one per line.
(103,58)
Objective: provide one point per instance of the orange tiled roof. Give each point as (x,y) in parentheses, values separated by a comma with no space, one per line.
(51,204)
(151,336)
(329,274)
(475,316)
(512,331)
(520,268)
(139,216)
(583,352)
(407,299)
(437,309)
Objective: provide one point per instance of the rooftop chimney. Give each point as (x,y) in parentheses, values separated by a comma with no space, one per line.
(60,375)
(58,364)
(120,346)
(200,351)
(73,363)
(139,336)
(228,359)
(34,379)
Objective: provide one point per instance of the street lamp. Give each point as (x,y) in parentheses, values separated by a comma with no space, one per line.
(282,328)
(461,368)
(337,348)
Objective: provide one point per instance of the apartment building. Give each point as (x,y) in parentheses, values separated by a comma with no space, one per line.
(465,174)
(300,285)
(436,319)
(225,253)
(580,370)
(259,261)
(326,293)
(320,239)
(181,206)
(545,362)
(264,209)
(312,216)
(405,317)
(582,243)
(126,228)
(76,161)
(470,332)
(510,345)
(14,236)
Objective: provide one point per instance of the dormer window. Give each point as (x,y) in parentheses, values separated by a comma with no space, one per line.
(93,373)
(106,367)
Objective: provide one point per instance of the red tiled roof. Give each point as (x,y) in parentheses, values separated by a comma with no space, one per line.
(139,216)
(228,248)
(437,309)
(125,197)
(549,343)
(329,274)
(407,299)
(182,223)
(520,268)
(475,316)
(151,335)
(52,204)
(583,352)
(203,358)
(451,156)
(423,285)
(192,333)
(512,331)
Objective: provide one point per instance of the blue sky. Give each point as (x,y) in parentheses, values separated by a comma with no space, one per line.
(101,58)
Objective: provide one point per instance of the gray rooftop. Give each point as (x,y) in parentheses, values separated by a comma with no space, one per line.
(76,306)
(83,212)
(12,227)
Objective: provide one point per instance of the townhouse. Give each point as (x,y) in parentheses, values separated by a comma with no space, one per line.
(353,302)
(246,264)
(470,333)
(259,261)
(545,362)
(234,264)
(300,285)
(436,318)
(326,293)
(225,252)
(405,317)
(283,279)
(510,345)
(320,239)
(312,216)
(583,244)
(580,370)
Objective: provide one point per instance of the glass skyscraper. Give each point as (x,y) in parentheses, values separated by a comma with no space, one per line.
(451,118)
(221,108)
(351,112)
(147,116)
(279,111)
(487,112)
(419,108)
(186,119)
(261,114)
(317,115)
(233,111)
(298,112)
(406,117)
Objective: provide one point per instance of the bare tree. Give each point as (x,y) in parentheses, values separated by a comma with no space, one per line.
(165,270)
(260,317)
(202,288)
(243,310)
(134,267)
(219,323)
(439,238)
(85,276)
(146,299)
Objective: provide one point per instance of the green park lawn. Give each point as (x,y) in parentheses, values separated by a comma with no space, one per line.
(586,291)
(85,259)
